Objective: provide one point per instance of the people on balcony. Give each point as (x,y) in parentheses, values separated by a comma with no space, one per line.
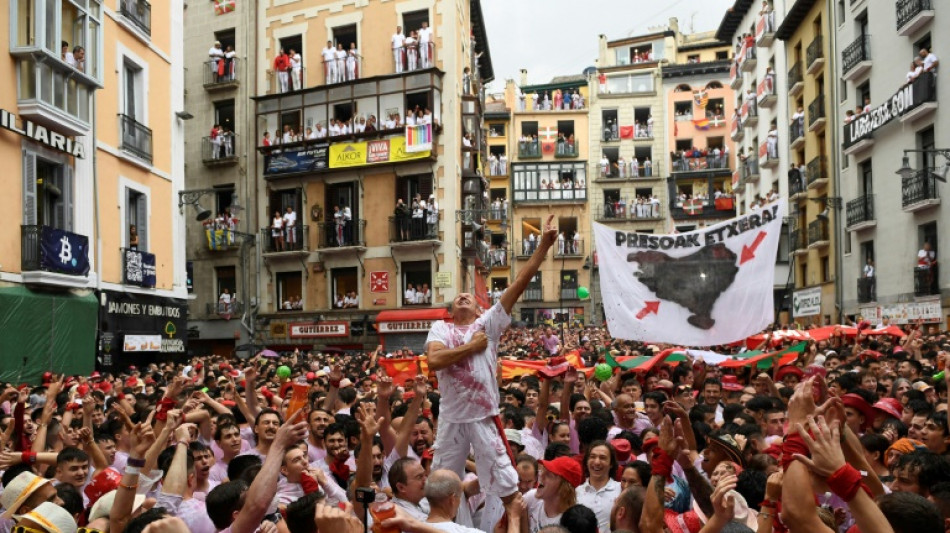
(398,41)
(771,142)
(296,70)
(432,217)
(412,51)
(224,302)
(290,228)
(282,68)
(768,14)
(769,80)
(798,123)
(277,232)
(352,63)
(217,60)
(647,166)
(425,47)
(329,63)
(930,60)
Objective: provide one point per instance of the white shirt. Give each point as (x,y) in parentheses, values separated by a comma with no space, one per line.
(215,52)
(295,61)
(452,527)
(410,296)
(398,39)
(537,518)
(599,501)
(425,35)
(929,61)
(469,391)
(225,298)
(328,54)
(319,133)
(419,512)
(290,218)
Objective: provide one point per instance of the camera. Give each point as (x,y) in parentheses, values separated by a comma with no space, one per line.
(365,495)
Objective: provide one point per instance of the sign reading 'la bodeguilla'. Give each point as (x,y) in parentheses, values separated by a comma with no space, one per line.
(41,134)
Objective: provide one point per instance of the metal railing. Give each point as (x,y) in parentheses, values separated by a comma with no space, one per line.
(748,56)
(533,293)
(292,239)
(921,186)
(334,235)
(796,130)
(817,169)
(342,69)
(221,308)
(139,13)
(908,9)
(288,80)
(30,237)
(569,291)
(408,229)
(409,58)
(135,138)
(565,193)
(799,239)
(867,290)
(529,149)
(566,149)
(817,231)
(795,184)
(816,110)
(499,257)
(856,52)
(795,75)
(681,163)
(629,171)
(222,71)
(750,168)
(219,149)
(815,50)
(612,211)
(569,247)
(926,281)
(611,136)
(861,209)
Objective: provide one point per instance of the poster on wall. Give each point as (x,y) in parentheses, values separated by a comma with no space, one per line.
(138,268)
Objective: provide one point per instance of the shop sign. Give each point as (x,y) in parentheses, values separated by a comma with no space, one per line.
(905,100)
(405,326)
(42,135)
(904,313)
(806,302)
(142,343)
(359,154)
(443,280)
(379,301)
(319,330)
(142,323)
(138,268)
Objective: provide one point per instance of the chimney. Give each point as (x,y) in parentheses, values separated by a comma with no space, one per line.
(524,77)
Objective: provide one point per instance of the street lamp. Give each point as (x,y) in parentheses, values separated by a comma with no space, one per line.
(906,170)
(830,202)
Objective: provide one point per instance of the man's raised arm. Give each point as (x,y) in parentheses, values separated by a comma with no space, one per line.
(513,292)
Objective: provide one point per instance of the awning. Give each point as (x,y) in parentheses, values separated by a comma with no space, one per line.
(438,313)
(42,332)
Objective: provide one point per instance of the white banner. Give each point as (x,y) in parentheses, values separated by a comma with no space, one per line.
(904,313)
(701,288)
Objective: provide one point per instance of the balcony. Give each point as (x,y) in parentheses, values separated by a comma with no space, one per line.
(919,191)
(684,163)
(565,194)
(749,114)
(796,82)
(569,247)
(54,256)
(703,208)
(342,70)
(818,234)
(750,170)
(645,170)
(768,154)
(738,186)
(529,149)
(765,30)
(815,55)
(799,242)
(610,135)
(856,58)
(135,138)
(408,58)
(139,13)
(735,77)
(565,149)
(926,281)
(816,114)
(222,74)
(860,213)
(925,98)
(867,290)
(738,130)
(613,212)
(332,236)
(817,171)
(913,15)
(225,310)
(748,60)
(568,291)
(287,81)
(220,238)
(286,242)
(408,231)
(533,293)
(796,134)
(219,150)
(765,92)
(796,186)
(499,258)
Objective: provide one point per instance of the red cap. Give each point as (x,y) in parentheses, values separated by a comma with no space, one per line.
(131,382)
(565,468)
(95,376)
(855,401)
(311,376)
(104,481)
(224,366)
(649,444)
(82,390)
(789,370)
(427,455)
(889,406)
(132,368)
(408,395)
(621,449)
(731,383)
(149,381)
(104,386)
(234,373)
(197,366)
(47,377)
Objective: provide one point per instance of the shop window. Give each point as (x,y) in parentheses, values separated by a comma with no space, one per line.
(289,290)
(416,282)
(345,287)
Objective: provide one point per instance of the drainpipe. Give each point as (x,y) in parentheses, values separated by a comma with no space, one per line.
(836,189)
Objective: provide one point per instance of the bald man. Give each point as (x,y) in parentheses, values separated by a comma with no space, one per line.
(444,493)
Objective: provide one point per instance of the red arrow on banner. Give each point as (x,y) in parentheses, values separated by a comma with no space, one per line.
(748,252)
(649,307)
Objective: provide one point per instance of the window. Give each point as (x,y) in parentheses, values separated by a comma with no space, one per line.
(692,58)
(924,42)
(630,83)
(346,35)
(565,128)
(292,42)
(409,187)
(534,292)
(716,108)
(224,114)
(840,12)
(418,276)
(783,243)
(226,38)
(865,181)
(134,91)
(289,290)
(226,280)
(825,269)
(925,141)
(568,241)
(412,20)
(136,215)
(530,233)
(867,252)
(344,284)
(611,127)
(568,284)
(224,197)
(71,35)
(47,192)
(529,129)
(722,55)
(496,130)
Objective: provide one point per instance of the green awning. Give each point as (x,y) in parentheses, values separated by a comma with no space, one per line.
(40,332)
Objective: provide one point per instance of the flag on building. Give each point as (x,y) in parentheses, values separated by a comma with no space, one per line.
(626,132)
(693,207)
(701,124)
(701,98)
(418,138)
(706,287)
(223,6)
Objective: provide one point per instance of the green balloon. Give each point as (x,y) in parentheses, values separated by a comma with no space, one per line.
(583,292)
(603,372)
(283,371)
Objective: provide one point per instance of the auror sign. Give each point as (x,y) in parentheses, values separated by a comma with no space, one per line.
(41,134)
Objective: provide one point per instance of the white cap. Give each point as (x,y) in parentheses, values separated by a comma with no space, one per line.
(103,506)
(513,435)
(51,517)
(17,492)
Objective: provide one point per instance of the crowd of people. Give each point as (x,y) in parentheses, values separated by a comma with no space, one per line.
(624,169)
(417,220)
(643,206)
(556,100)
(846,431)
(338,129)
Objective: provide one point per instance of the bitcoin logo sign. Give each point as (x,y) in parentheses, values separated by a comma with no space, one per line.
(65,251)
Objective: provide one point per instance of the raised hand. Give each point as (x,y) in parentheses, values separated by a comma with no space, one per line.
(826,455)
(141,439)
(723,500)
(549,232)
(291,431)
(384,388)
(802,403)
(420,386)
(336,373)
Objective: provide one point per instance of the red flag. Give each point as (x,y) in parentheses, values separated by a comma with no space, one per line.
(481,292)
(626,132)
(404,370)
(547,148)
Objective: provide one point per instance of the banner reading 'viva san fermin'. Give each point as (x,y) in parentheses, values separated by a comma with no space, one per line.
(358,154)
(701,288)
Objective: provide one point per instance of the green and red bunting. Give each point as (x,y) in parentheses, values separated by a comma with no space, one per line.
(645,363)
(764,360)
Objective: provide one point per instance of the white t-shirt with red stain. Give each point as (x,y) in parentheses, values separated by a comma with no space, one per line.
(468,387)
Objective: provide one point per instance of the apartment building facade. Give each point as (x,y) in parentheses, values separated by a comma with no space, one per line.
(354,269)
(94,274)
(891,219)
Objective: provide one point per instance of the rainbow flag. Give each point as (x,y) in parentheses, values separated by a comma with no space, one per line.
(419,138)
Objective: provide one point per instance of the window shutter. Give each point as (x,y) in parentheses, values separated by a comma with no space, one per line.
(29,188)
(69,188)
(141,216)
(59,208)
(425,186)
